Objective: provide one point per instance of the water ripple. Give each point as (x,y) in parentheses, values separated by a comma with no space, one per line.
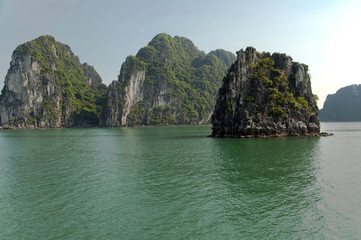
(175,183)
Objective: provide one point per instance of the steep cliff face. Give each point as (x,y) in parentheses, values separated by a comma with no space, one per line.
(265,95)
(344,105)
(168,82)
(46,86)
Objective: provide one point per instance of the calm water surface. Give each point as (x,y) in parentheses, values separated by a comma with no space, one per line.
(175,183)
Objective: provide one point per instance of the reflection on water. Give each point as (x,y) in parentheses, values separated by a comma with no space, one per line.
(170,183)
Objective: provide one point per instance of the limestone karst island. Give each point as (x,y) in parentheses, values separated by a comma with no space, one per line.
(168,82)
(265,95)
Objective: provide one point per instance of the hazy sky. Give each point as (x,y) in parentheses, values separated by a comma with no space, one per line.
(325,35)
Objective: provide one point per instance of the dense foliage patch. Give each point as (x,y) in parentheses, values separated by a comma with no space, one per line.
(279,99)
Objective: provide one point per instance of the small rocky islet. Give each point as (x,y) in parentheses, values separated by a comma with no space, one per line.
(168,82)
(266,95)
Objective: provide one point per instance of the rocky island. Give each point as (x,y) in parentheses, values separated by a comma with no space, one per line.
(47,87)
(168,82)
(265,95)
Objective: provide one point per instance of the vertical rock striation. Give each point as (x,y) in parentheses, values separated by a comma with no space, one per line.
(47,87)
(168,82)
(265,95)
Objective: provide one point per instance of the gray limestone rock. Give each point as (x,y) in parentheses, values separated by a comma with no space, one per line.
(168,82)
(47,87)
(265,95)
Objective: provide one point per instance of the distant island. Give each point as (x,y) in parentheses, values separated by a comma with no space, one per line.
(343,106)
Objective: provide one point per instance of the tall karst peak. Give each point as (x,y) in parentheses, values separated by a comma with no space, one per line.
(169,81)
(47,86)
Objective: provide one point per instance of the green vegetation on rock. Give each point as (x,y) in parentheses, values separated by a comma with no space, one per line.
(265,95)
(278,97)
(180,83)
(72,93)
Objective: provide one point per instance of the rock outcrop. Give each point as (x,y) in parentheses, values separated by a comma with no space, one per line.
(168,82)
(344,105)
(47,87)
(265,95)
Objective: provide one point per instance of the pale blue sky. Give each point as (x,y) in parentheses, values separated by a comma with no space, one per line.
(322,34)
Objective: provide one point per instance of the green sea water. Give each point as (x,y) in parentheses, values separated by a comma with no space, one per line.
(176,183)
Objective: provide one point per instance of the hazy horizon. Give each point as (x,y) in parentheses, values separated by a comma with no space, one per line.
(320,34)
